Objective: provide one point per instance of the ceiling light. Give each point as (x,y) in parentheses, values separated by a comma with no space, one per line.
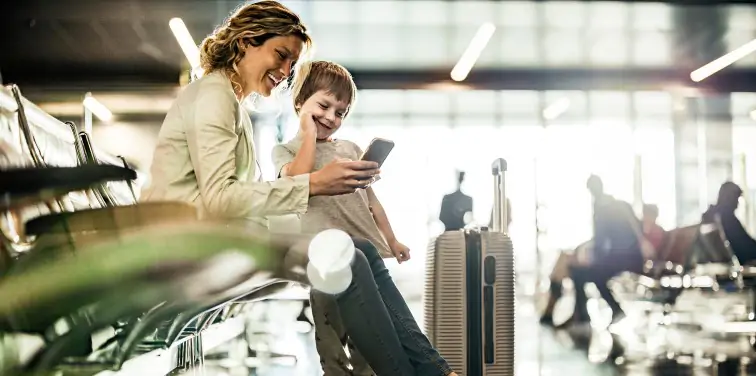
(556,109)
(715,66)
(447,86)
(185,41)
(471,54)
(98,109)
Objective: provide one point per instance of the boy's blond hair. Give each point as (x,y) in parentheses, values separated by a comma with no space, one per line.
(313,76)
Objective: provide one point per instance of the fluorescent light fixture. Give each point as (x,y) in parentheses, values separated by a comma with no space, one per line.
(471,54)
(185,41)
(753,115)
(447,86)
(98,109)
(715,66)
(556,109)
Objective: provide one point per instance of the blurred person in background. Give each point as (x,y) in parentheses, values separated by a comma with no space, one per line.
(617,242)
(455,206)
(653,241)
(205,156)
(561,271)
(741,243)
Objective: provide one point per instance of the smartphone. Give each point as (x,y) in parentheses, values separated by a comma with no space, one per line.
(378,151)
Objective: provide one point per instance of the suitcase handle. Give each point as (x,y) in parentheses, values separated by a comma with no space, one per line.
(498,169)
(499,166)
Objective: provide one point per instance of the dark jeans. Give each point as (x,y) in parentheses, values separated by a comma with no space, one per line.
(381,325)
(600,272)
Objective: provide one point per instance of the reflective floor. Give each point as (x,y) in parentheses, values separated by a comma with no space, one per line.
(646,343)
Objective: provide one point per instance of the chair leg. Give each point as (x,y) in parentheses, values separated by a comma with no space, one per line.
(190,354)
(138,332)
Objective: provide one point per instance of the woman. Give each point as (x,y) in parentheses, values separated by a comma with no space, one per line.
(205,155)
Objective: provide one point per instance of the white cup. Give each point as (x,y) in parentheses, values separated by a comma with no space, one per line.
(331,253)
(333,283)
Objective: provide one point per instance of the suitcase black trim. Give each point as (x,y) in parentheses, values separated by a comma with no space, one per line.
(474,255)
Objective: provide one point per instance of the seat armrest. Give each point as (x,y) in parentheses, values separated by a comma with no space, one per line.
(28,186)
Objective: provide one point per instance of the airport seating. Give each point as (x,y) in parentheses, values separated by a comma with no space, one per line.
(101,249)
(674,259)
(696,263)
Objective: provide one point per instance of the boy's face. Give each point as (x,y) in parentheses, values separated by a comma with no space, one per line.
(327,111)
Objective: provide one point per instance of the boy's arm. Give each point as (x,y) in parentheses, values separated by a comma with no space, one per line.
(304,161)
(380,217)
(400,251)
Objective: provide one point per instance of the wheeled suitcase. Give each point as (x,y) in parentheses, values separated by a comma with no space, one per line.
(469,298)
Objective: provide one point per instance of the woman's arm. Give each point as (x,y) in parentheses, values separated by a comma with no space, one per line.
(212,143)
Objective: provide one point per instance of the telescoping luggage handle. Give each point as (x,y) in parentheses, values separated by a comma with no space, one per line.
(499,169)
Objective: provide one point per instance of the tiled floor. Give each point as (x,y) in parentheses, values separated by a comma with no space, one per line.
(540,351)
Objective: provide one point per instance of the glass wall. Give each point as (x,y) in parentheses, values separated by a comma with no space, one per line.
(440,132)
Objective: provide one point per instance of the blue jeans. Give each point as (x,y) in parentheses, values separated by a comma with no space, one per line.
(381,325)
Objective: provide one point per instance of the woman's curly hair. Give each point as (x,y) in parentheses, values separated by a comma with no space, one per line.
(251,24)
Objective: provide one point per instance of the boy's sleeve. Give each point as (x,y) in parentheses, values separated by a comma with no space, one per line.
(281,157)
(357,149)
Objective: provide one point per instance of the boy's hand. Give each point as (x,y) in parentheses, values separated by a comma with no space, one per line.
(400,251)
(307,124)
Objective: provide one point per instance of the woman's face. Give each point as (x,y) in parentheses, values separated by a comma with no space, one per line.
(327,111)
(264,67)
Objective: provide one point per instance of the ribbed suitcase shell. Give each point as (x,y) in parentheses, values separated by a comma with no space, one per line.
(446,298)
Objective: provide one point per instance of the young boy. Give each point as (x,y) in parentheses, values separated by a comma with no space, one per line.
(323,94)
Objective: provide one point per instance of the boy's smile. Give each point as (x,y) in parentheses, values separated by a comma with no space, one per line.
(327,112)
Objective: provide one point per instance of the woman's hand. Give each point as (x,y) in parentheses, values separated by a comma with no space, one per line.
(400,251)
(341,177)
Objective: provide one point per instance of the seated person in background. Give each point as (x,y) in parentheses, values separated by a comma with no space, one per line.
(654,233)
(654,236)
(561,271)
(322,99)
(742,244)
(617,243)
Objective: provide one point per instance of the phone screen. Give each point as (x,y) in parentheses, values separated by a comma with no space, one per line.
(378,151)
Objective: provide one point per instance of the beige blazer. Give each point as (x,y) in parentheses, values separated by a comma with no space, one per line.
(205,156)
